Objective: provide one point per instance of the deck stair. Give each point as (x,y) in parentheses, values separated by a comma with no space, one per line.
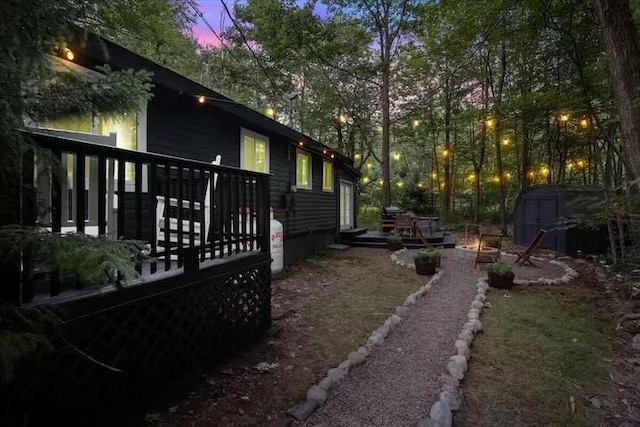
(378,239)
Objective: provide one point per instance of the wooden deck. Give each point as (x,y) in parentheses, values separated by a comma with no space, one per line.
(378,239)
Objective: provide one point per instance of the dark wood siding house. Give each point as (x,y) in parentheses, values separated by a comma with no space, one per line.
(188,120)
(205,290)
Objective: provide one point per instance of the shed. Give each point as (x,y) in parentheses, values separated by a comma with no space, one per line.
(544,206)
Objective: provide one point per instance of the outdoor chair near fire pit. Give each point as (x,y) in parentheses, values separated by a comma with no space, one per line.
(523,257)
(488,254)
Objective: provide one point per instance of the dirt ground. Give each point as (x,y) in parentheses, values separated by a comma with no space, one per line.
(323,308)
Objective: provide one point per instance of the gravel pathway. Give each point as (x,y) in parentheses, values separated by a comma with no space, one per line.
(401,379)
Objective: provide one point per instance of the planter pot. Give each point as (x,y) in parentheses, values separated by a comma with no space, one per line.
(425,268)
(501,281)
(394,246)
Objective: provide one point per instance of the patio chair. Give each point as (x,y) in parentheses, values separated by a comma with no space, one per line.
(403,222)
(488,257)
(200,227)
(523,257)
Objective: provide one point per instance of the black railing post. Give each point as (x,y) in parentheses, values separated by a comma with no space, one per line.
(80,189)
(180,216)
(121,196)
(102,194)
(265,214)
(29,218)
(152,189)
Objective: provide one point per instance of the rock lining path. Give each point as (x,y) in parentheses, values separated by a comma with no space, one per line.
(401,379)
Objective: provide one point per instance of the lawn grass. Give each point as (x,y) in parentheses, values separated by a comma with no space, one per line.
(368,294)
(538,349)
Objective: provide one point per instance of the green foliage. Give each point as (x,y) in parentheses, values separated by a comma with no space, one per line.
(95,261)
(427,255)
(394,238)
(501,268)
(369,217)
(73,93)
(415,198)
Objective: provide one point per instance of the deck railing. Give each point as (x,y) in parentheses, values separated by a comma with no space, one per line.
(187,213)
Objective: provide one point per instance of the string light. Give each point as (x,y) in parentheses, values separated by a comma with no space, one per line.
(580,163)
(324,151)
(434,175)
(202,99)
(343,118)
(333,156)
(531,174)
(416,123)
(564,117)
(400,184)
(396,155)
(366,180)
(544,171)
(301,143)
(490,123)
(381,182)
(369,165)
(68,53)
(584,123)
(445,152)
(420,185)
(505,142)
(270,112)
(356,156)
(472,176)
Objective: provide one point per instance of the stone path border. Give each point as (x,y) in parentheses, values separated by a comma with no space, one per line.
(317,394)
(449,400)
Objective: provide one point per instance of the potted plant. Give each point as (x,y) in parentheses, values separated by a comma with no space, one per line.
(426,261)
(500,275)
(394,242)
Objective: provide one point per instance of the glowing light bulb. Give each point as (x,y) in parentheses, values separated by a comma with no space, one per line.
(357,156)
(270,112)
(416,123)
(366,179)
(400,184)
(68,53)
(584,123)
(490,123)
(564,117)
(202,99)
(505,142)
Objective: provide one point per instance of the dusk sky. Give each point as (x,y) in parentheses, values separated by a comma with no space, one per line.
(217,17)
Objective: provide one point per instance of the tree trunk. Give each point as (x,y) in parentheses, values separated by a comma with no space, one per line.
(623,49)
(386,175)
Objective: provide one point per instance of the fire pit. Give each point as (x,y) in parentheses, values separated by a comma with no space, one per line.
(473,247)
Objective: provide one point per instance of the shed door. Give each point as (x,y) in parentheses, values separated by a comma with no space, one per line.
(540,213)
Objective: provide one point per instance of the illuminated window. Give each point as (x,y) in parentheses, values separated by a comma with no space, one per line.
(327,176)
(303,170)
(254,153)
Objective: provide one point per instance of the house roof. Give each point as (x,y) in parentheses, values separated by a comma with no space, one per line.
(119,57)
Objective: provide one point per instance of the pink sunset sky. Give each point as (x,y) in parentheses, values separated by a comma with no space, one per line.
(215,14)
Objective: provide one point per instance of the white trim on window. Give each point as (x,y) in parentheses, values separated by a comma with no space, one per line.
(309,185)
(256,136)
(324,178)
